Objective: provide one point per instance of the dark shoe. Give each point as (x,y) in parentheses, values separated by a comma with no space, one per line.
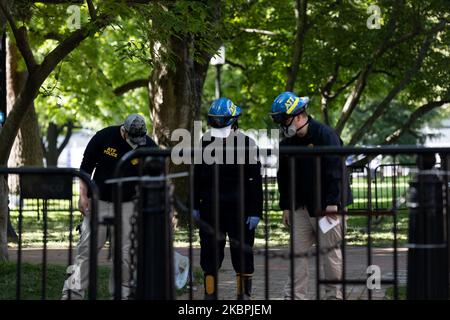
(244,287)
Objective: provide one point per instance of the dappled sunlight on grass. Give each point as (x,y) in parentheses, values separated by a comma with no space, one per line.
(58,230)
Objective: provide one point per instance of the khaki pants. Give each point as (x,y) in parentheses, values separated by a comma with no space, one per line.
(304,237)
(81,263)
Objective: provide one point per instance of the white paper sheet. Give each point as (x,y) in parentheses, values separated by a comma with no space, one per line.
(326,226)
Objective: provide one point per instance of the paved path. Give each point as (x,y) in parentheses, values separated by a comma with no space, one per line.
(356,261)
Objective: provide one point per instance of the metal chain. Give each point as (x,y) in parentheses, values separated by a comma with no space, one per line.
(133,253)
(288,255)
(208,228)
(283,255)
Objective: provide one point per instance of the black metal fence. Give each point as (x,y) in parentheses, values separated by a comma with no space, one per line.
(38,196)
(382,187)
(147,266)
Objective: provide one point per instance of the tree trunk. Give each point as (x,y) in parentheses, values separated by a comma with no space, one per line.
(175,99)
(3,183)
(3,219)
(37,76)
(52,151)
(302,28)
(175,93)
(27,150)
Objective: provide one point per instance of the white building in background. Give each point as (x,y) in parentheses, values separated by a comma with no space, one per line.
(443,135)
(72,155)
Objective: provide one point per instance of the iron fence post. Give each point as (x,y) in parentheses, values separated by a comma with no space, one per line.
(155,262)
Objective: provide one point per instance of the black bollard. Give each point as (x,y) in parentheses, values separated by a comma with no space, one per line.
(427,254)
(155,252)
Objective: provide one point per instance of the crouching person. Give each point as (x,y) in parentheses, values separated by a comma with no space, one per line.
(102,153)
(225,139)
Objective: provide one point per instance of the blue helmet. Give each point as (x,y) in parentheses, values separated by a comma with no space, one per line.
(287,105)
(223,113)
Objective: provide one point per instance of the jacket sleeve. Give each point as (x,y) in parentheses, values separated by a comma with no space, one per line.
(332,170)
(197,186)
(91,154)
(283,183)
(151,143)
(255,189)
(198,181)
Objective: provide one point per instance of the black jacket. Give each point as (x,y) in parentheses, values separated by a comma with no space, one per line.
(102,153)
(331,172)
(229,192)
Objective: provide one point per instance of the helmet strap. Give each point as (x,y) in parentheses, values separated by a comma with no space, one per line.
(304,125)
(235,125)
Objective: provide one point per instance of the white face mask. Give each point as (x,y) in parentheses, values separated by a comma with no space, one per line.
(133,145)
(292,130)
(220,132)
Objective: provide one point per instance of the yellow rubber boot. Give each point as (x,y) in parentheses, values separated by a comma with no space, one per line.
(210,287)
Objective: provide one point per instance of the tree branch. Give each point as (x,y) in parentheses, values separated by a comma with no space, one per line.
(20,34)
(236,65)
(259,31)
(390,74)
(302,28)
(92,10)
(325,93)
(354,97)
(59,1)
(35,80)
(53,36)
(381,108)
(69,44)
(417,114)
(69,126)
(345,86)
(134,84)
(44,148)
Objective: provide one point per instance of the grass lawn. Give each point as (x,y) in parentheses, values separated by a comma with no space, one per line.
(401,293)
(382,235)
(58,230)
(56,274)
(32,279)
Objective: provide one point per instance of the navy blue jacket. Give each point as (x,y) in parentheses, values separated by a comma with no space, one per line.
(331,172)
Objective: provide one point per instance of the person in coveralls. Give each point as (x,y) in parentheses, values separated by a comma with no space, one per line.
(225,137)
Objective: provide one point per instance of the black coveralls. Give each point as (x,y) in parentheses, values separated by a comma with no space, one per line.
(228,205)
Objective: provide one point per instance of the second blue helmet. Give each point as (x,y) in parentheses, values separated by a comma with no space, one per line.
(223,113)
(287,104)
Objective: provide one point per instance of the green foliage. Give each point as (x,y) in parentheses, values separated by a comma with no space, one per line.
(337,34)
(81,89)
(259,37)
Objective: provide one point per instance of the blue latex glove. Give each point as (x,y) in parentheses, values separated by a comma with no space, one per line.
(196,214)
(252,222)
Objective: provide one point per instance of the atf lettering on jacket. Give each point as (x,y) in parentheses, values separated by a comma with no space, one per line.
(110,152)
